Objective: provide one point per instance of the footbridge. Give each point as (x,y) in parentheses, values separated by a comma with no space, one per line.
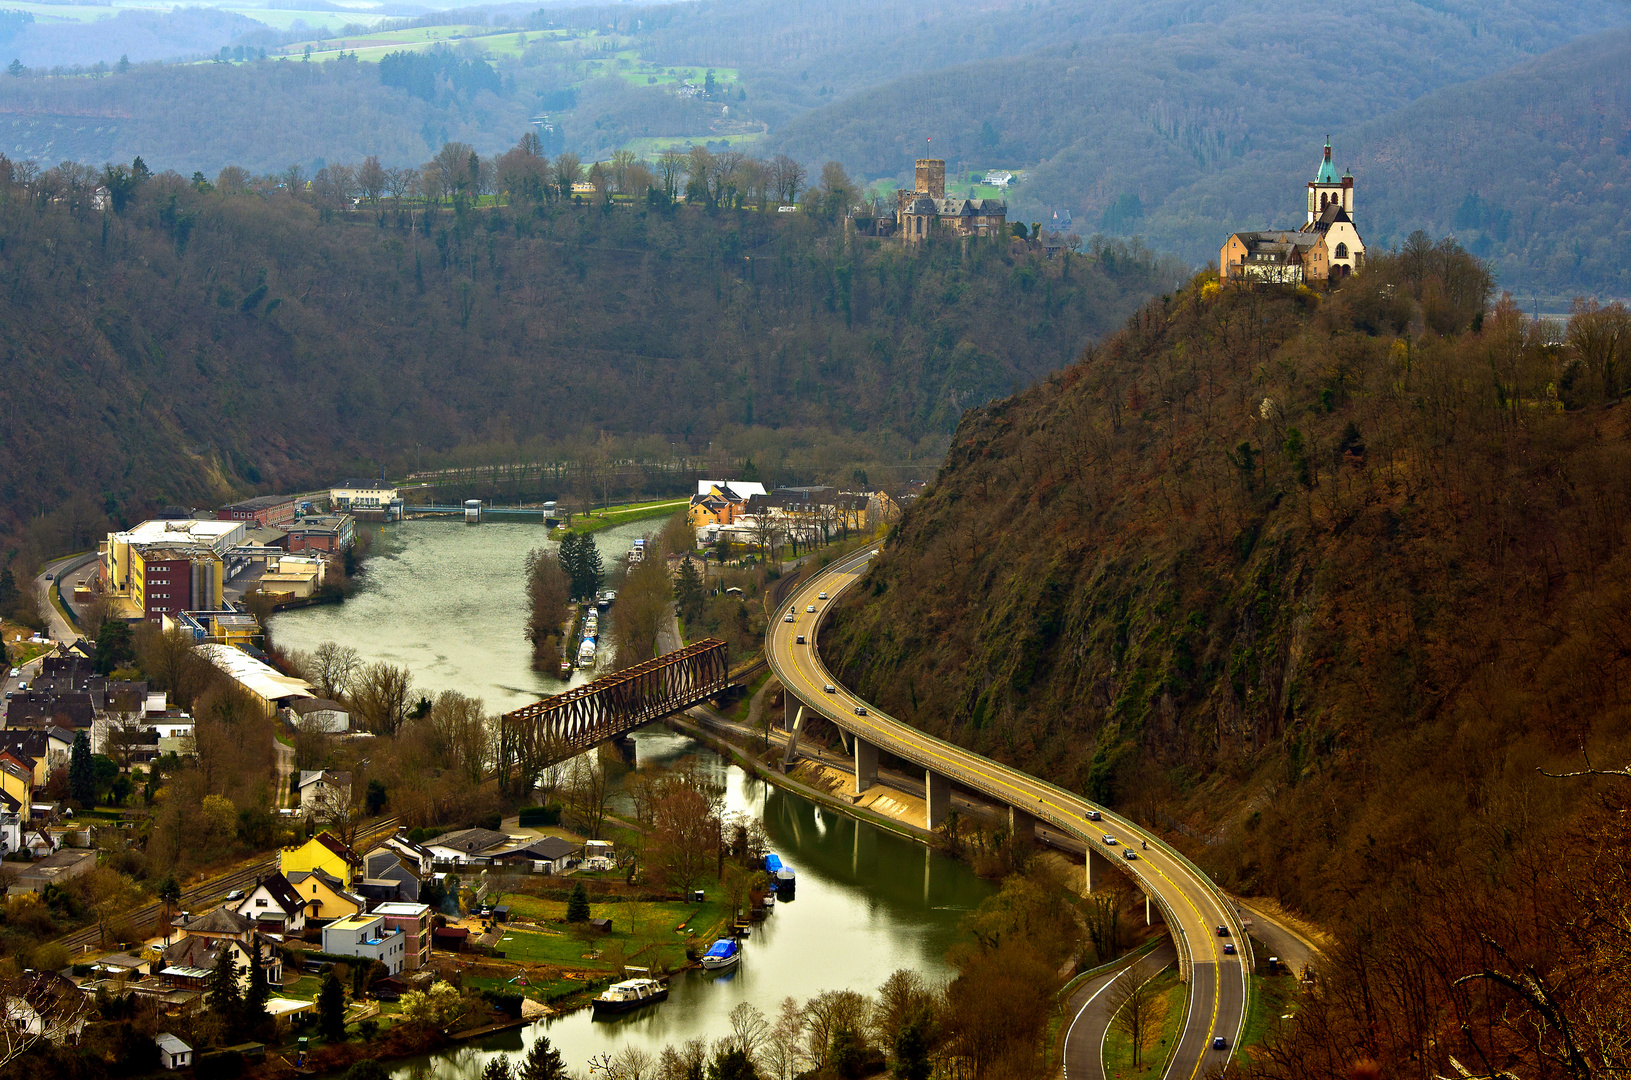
(616,704)
(1190,903)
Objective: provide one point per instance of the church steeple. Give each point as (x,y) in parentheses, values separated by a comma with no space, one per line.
(1327,188)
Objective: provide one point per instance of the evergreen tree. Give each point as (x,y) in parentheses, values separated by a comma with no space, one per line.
(580,558)
(498,1069)
(543,1062)
(331,1009)
(114,647)
(226,996)
(8,589)
(254,1007)
(732,1063)
(912,1049)
(688,592)
(81,772)
(577,907)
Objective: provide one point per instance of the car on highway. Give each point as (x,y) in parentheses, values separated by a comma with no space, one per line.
(1223,931)
(1129,854)
(1108,839)
(800,640)
(1094,815)
(830,688)
(810,610)
(1228,948)
(788,617)
(860,710)
(821,596)
(16,672)
(1219,1043)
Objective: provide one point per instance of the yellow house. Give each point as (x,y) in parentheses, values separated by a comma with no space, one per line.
(325,897)
(322,852)
(16,782)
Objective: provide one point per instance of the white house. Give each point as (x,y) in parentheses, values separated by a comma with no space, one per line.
(323,788)
(11,833)
(362,495)
(274,905)
(367,936)
(467,846)
(173,1053)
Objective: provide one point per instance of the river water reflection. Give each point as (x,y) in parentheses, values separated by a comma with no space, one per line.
(868,902)
(447,600)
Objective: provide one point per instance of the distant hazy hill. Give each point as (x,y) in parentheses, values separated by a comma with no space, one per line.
(1196,128)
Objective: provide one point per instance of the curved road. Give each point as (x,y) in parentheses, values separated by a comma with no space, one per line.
(1192,905)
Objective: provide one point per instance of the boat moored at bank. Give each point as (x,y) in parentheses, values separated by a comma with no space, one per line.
(630,994)
(725,953)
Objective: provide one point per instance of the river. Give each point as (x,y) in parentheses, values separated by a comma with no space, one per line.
(447,600)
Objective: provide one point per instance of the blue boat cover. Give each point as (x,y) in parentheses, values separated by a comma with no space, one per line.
(773,862)
(722,948)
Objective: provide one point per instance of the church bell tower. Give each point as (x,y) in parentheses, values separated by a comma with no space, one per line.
(1327,188)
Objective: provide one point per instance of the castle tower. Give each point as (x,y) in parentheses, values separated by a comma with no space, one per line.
(931,177)
(1327,188)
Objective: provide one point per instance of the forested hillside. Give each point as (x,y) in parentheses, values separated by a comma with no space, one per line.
(1184,133)
(1310,568)
(188,344)
(1527,168)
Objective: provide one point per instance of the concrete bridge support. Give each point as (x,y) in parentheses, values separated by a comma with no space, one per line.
(936,798)
(1021,824)
(1100,870)
(793,730)
(866,765)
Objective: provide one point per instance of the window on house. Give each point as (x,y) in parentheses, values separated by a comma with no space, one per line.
(1342,251)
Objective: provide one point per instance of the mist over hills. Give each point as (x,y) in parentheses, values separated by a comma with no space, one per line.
(1173,120)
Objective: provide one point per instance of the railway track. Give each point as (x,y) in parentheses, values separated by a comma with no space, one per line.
(206,892)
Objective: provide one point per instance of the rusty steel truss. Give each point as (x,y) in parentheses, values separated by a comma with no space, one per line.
(608,707)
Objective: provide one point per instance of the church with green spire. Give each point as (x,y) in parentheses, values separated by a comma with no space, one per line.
(1324,250)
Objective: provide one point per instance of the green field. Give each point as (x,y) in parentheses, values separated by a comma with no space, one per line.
(1118,1049)
(622,515)
(1272,997)
(643,933)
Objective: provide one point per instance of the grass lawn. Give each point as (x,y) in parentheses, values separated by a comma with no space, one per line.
(643,933)
(1171,1001)
(583,524)
(1272,996)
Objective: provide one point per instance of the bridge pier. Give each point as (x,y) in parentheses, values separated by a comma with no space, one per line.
(1098,870)
(866,765)
(1021,824)
(793,730)
(936,799)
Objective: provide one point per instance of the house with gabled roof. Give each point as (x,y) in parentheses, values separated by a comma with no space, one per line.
(274,905)
(325,852)
(327,897)
(1326,248)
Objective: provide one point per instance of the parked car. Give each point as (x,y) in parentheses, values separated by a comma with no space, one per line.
(235,895)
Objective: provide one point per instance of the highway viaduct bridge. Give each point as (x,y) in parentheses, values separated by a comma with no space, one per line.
(1190,903)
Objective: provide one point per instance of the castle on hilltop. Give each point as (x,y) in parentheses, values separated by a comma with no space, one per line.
(925,209)
(1327,248)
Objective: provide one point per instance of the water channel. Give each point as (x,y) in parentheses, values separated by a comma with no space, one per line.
(447,601)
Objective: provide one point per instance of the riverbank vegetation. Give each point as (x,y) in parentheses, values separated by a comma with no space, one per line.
(1316,583)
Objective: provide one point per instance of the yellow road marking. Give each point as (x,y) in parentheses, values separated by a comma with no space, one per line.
(813,673)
